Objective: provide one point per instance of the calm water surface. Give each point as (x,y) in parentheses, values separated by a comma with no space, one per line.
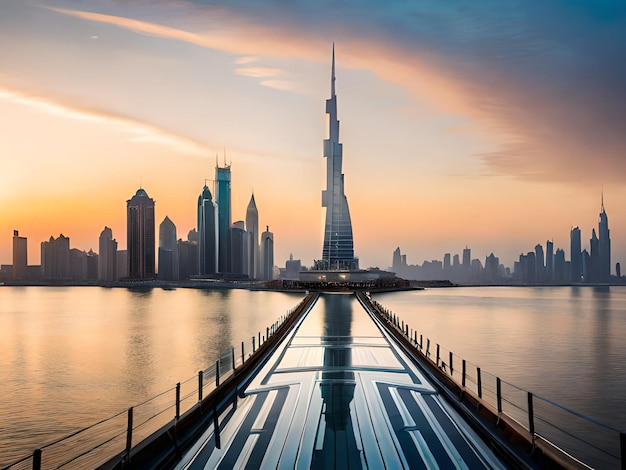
(72,356)
(567,344)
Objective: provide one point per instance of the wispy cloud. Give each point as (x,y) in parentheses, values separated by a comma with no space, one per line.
(258,72)
(282,85)
(544,80)
(137,131)
(245,60)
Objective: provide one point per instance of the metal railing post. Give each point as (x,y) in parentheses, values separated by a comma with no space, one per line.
(243,352)
(531,417)
(437,353)
(427,347)
(479,383)
(463,373)
(253,347)
(37,459)
(499,394)
(129,432)
(232,356)
(622,446)
(200,380)
(451,368)
(421,342)
(259,339)
(178,400)
(217,373)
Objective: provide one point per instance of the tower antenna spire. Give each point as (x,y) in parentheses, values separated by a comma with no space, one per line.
(332,78)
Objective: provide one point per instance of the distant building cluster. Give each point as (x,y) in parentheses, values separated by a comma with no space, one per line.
(535,267)
(218,249)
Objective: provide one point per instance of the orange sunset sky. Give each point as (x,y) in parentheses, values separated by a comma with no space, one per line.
(494,124)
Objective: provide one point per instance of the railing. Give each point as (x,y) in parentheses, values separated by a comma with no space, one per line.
(96,444)
(544,421)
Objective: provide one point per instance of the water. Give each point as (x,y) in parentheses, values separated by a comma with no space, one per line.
(562,343)
(72,356)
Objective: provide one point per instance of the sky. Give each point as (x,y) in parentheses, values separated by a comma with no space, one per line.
(495,125)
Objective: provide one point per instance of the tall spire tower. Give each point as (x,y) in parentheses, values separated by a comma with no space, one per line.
(338,249)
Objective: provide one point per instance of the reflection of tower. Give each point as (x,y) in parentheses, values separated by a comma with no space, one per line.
(338,384)
(222,199)
(207,233)
(252,226)
(338,249)
(140,236)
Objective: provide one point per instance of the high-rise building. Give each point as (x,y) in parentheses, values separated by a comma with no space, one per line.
(207,233)
(20,256)
(238,248)
(55,258)
(140,236)
(267,255)
(122,264)
(107,261)
(549,262)
(188,256)
(560,272)
(575,256)
(540,266)
(397,260)
(604,246)
(252,226)
(168,251)
(222,199)
(338,249)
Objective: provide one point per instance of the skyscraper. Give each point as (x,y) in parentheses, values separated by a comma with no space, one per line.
(267,255)
(207,233)
(338,249)
(252,226)
(168,251)
(576,269)
(55,258)
(549,261)
(540,266)
(140,236)
(604,246)
(107,261)
(20,256)
(222,199)
(238,249)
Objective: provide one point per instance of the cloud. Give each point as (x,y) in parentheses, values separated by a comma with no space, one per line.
(137,131)
(258,72)
(245,60)
(542,80)
(282,85)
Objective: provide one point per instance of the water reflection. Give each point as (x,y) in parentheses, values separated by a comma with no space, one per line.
(337,386)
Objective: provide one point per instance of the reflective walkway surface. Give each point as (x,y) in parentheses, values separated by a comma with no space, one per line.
(338,393)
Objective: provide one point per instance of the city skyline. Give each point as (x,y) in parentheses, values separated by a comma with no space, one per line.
(497,129)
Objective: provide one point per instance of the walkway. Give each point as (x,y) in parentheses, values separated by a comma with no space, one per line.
(338,393)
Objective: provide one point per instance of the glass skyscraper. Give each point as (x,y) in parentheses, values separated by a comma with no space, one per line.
(338,249)
(207,233)
(140,239)
(222,199)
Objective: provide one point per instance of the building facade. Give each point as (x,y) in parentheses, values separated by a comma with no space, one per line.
(223,201)
(252,227)
(107,260)
(207,233)
(267,255)
(140,236)
(20,256)
(338,248)
(168,251)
